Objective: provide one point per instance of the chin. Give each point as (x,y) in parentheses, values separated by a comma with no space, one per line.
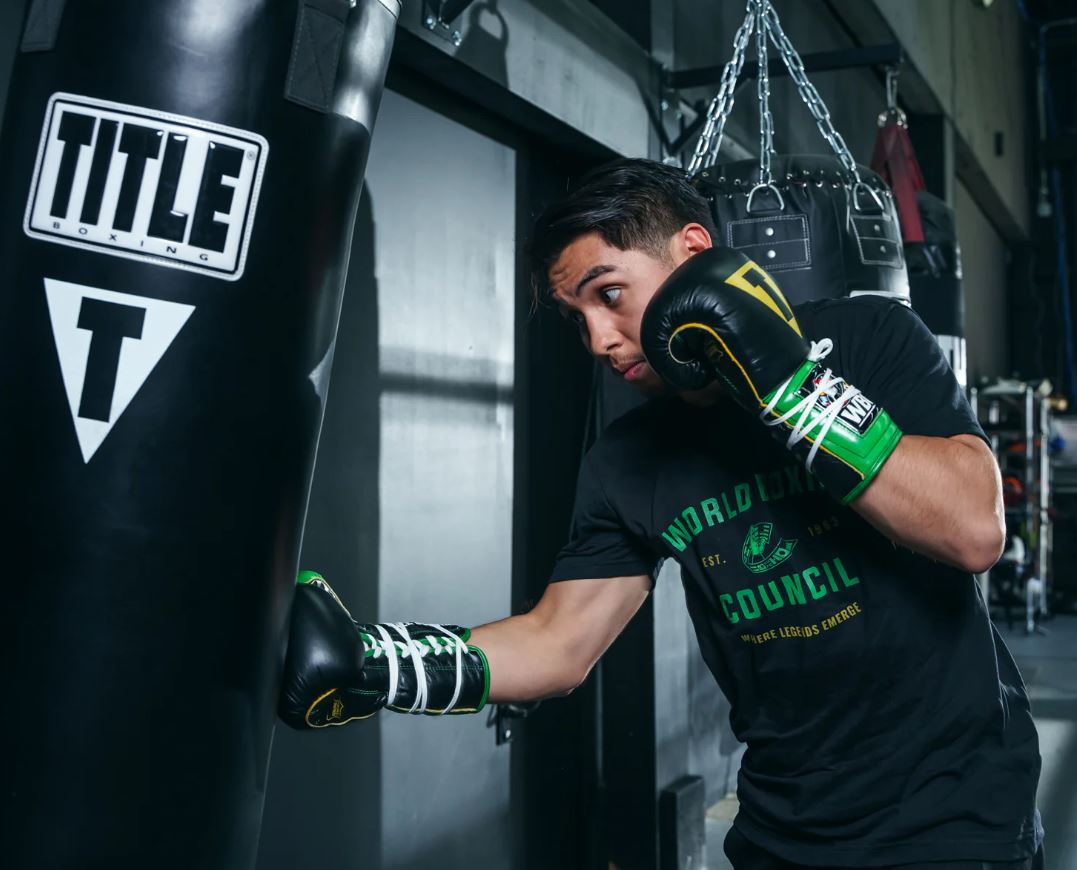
(652,386)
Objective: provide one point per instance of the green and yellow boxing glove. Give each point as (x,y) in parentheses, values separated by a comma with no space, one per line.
(720,316)
(337,670)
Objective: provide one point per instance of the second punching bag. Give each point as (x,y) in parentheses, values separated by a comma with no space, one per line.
(178,181)
(938,294)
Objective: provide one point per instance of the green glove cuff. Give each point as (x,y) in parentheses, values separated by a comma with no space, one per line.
(859,440)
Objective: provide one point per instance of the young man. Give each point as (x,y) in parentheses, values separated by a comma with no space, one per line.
(828,571)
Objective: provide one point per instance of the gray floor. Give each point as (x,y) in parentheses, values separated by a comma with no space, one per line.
(719,818)
(1048,663)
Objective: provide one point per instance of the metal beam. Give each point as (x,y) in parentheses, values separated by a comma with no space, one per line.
(889,54)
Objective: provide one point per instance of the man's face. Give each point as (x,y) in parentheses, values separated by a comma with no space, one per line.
(605,291)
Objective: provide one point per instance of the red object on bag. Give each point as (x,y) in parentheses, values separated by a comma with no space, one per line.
(895,160)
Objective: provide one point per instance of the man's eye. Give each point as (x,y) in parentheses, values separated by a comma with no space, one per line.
(609,294)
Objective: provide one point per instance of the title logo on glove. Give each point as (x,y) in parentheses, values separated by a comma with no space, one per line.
(756,283)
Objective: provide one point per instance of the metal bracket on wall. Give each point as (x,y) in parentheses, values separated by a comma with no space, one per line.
(504,719)
(439,15)
(888,55)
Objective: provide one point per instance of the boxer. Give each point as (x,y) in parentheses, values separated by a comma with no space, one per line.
(820,479)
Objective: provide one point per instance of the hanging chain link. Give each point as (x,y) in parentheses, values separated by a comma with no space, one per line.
(762,81)
(761,19)
(808,93)
(710,140)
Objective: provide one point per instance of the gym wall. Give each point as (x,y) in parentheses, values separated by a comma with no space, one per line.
(985,261)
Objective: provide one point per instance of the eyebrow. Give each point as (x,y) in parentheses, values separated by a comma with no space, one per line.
(590,275)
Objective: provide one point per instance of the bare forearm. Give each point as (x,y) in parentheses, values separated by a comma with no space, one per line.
(550,650)
(940,497)
(525,664)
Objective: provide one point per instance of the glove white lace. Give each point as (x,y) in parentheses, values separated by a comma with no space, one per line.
(824,419)
(393,650)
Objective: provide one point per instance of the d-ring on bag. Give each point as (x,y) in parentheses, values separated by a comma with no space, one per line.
(823,225)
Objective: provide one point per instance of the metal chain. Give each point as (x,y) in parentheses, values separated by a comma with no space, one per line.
(710,140)
(809,94)
(762,81)
(762,18)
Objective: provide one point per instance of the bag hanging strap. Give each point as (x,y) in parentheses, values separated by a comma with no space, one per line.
(42,25)
(895,160)
(316,49)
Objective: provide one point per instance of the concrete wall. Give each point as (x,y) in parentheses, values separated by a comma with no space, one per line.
(985,261)
(561,58)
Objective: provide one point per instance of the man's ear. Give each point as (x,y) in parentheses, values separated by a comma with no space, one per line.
(688,241)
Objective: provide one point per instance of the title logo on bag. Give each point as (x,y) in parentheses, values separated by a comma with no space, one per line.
(107,343)
(146,185)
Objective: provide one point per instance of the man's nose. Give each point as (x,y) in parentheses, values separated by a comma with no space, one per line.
(603,336)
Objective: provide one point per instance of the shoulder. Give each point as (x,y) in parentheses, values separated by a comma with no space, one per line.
(856,311)
(865,324)
(869,334)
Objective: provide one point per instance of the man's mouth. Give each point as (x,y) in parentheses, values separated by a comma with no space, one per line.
(633,372)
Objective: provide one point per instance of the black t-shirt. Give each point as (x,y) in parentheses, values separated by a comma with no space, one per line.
(885,720)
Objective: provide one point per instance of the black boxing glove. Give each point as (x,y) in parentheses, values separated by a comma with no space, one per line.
(719,316)
(337,671)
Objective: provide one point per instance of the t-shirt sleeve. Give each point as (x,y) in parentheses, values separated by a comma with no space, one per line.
(899,365)
(599,544)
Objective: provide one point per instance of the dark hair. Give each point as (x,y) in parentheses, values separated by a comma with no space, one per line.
(631,204)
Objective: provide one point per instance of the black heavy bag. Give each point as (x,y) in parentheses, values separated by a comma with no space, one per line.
(821,232)
(938,294)
(178,183)
(823,225)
